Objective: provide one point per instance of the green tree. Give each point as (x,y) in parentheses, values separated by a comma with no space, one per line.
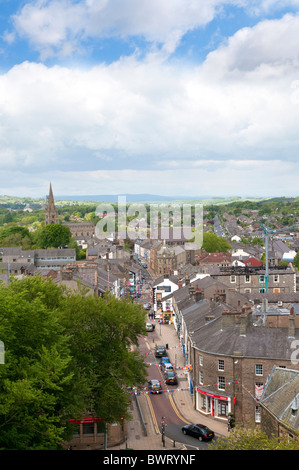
(296,260)
(241,438)
(212,243)
(53,236)
(38,391)
(66,353)
(103,331)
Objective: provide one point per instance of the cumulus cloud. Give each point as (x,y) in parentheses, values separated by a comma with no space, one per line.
(61,26)
(134,122)
(271,42)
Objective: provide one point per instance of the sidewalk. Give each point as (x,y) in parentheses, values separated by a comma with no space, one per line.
(182,398)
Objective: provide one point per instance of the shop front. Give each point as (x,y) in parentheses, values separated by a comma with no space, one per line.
(213,404)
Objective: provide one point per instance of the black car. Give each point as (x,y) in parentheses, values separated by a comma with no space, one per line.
(160,351)
(170,377)
(200,431)
(155,386)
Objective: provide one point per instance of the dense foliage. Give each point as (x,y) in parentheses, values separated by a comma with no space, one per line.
(66,353)
(246,438)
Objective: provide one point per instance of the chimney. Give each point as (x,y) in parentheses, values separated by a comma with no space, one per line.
(245,319)
(180,284)
(243,323)
(198,294)
(292,326)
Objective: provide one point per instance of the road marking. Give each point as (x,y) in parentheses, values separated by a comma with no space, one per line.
(154,420)
(177,411)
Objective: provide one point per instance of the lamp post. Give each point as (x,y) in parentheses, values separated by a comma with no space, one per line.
(163,430)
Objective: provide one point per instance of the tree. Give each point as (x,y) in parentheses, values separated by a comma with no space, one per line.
(66,354)
(212,243)
(53,236)
(103,331)
(241,438)
(296,261)
(15,235)
(38,391)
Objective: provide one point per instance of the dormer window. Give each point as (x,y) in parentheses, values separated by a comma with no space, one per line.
(295,406)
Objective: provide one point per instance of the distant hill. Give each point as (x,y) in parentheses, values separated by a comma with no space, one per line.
(114,198)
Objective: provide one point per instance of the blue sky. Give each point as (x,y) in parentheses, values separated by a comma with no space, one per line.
(197,98)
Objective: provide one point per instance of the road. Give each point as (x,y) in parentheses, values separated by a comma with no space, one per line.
(162,406)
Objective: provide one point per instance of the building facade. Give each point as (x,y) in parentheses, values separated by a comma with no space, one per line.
(250,280)
(232,357)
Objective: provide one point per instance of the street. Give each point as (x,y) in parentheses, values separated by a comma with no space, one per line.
(163,410)
(165,416)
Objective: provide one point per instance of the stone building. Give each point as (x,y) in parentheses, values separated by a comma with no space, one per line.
(92,433)
(51,215)
(251,280)
(81,230)
(16,261)
(232,356)
(166,259)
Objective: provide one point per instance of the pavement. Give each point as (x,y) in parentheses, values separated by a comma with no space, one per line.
(182,400)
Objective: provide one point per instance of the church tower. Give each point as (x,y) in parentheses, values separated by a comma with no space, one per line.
(51,211)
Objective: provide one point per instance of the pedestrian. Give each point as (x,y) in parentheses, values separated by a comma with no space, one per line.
(229,423)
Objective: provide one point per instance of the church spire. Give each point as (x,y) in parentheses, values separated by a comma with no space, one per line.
(51,216)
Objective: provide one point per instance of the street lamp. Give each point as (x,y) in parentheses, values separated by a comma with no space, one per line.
(163,430)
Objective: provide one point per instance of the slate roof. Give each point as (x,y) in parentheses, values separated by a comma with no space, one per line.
(259,342)
(195,315)
(281,395)
(161,279)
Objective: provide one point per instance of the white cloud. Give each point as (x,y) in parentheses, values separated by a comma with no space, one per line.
(49,25)
(272,43)
(204,127)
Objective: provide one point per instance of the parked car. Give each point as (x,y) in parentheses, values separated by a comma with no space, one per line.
(155,386)
(164,359)
(147,306)
(170,377)
(166,366)
(160,351)
(200,431)
(150,327)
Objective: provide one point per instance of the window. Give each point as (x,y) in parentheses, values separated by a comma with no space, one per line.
(247,278)
(221,364)
(257,414)
(200,378)
(259,388)
(88,428)
(221,383)
(233,279)
(259,369)
(276,277)
(200,360)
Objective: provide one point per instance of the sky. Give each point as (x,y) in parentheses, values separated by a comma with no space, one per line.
(196,98)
